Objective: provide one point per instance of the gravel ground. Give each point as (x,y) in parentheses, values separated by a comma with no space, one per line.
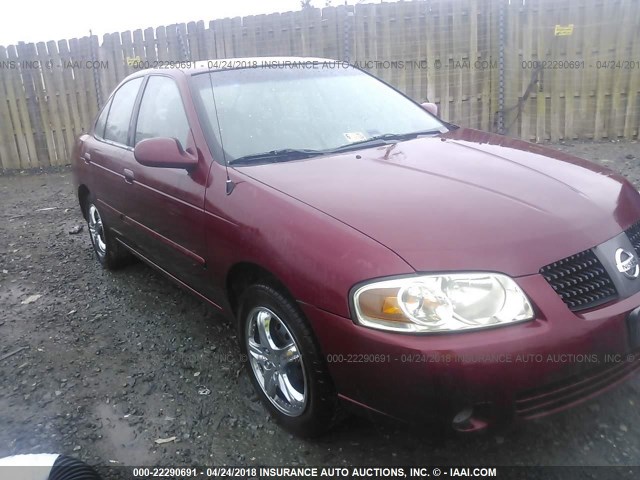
(113,362)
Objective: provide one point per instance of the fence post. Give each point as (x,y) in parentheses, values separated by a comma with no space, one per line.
(96,76)
(347,34)
(184,46)
(501,42)
(27,52)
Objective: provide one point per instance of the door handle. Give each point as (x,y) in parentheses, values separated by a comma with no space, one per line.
(86,157)
(128,176)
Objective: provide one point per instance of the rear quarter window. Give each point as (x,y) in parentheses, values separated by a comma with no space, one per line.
(102,121)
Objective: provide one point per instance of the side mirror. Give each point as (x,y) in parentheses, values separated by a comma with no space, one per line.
(432,108)
(163,153)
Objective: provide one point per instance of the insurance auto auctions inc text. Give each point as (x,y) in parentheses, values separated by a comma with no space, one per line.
(50,64)
(377,472)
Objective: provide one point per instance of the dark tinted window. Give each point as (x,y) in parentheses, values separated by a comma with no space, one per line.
(161,112)
(120,112)
(102,120)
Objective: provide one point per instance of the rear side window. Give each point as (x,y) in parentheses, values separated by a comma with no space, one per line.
(102,120)
(117,126)
(162,112)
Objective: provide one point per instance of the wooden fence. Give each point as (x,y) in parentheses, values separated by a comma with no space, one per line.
(536,69)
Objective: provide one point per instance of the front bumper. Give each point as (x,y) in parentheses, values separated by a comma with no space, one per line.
(526,370)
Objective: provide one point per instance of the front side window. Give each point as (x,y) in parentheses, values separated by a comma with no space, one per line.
(162,112)
(117,126)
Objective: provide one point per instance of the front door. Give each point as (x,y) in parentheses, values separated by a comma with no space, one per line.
(169,202)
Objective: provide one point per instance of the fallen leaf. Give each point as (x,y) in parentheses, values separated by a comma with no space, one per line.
(30,299)
(160,441)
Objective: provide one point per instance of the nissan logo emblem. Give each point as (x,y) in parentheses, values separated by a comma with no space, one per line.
(627,263)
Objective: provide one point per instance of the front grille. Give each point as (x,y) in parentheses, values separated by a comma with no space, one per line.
(580,280)
(633,232)
(558,396)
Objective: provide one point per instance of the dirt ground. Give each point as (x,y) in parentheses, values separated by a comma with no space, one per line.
(113,362)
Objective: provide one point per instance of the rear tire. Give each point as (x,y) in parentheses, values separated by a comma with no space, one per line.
(284,362)
(109,252)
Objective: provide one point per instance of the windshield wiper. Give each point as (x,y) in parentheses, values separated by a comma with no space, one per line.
(384,139)
(273,156)
(286,154)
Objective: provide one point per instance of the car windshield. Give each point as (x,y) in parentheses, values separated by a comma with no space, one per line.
(286,113)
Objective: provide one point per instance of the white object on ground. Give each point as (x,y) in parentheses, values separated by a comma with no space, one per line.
(33,466)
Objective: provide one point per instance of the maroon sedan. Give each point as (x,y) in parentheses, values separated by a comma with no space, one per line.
(370,253)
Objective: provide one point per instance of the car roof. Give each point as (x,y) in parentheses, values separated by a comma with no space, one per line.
(180,68)
(199,66)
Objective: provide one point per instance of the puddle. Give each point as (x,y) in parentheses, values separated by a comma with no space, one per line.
(120,440)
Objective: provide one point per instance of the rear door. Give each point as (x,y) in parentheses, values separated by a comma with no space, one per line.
(169,207)
(108,152)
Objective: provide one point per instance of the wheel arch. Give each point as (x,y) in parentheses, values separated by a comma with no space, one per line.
(244,274)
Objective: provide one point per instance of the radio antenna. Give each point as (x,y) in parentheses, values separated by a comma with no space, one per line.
(229,184)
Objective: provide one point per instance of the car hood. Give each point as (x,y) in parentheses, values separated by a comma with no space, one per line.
(466,200)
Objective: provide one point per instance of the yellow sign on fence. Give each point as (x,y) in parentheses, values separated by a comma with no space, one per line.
(133,61)
(564,30)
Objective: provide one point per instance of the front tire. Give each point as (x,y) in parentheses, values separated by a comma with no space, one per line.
(284,362)
(108,252)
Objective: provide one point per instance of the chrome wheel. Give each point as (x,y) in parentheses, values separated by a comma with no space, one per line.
(96,230)
(275,359)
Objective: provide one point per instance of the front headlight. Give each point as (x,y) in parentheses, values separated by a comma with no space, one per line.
(441,303)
